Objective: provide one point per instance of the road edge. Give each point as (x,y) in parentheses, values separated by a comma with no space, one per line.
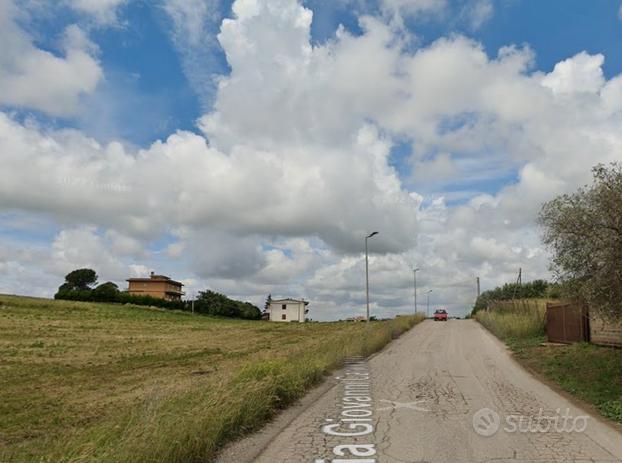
(248,448)
(541,377)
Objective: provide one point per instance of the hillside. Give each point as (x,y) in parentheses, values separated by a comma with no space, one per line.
(88,381)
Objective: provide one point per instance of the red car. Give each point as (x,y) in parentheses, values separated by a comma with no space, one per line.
(440,314)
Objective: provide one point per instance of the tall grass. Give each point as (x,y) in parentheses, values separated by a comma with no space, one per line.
(515,320)
(191,427)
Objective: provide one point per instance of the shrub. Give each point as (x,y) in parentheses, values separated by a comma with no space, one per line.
(213,303)
(584,232)
(106,292)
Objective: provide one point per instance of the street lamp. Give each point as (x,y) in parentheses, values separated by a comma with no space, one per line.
(415,270)
(427,312)
(367,270)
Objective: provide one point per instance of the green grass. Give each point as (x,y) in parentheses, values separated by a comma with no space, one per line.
(590,372)
(99,382)
(514,327)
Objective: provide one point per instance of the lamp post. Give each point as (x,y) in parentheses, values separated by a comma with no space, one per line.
(427,312)
(415,270)
(367,270)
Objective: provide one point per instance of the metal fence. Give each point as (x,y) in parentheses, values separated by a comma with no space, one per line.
(567,322)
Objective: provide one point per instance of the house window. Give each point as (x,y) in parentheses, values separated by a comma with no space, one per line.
(283,317)
(284,306)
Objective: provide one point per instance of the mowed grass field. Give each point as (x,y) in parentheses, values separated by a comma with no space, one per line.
(100,382)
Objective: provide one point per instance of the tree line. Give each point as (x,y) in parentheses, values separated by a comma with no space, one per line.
(533,289)
(81,285)
(583,232)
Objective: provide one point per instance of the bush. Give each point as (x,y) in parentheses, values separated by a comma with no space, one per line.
(127,298)
(213,303)
(106,292)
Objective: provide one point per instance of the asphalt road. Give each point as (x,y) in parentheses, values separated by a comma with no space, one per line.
(443,392)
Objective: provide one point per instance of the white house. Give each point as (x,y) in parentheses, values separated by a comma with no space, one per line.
(288,310)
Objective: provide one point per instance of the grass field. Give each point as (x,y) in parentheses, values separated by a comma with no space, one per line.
(590,372)
(98,382)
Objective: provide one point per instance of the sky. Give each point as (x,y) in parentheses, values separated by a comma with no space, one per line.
(249,146)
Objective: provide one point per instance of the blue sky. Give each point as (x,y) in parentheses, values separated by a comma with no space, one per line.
(147,96)
(266,183)
(144,71)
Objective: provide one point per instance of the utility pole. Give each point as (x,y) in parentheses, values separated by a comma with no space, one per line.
(478,293)
(415,270)
(519,282)
(367,270)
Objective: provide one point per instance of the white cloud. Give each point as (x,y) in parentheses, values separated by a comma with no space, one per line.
(189,17)
(103,11)
(34,78)
(81,247)
(434,171)
(581,73)
(194,28)
(477,12)
(403,8)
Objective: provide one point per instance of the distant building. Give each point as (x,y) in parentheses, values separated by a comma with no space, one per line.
(359,318)
(159,286)
(288,310)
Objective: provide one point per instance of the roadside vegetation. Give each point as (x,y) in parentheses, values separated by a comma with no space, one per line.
(84,381)
(516,321)
(592,373)
(538,290)
(583,231)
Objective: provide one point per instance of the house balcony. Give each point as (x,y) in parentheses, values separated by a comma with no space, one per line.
(175,292)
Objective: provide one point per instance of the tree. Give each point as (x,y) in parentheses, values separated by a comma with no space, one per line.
(81,279)
(77,285)
(583,230)
(213,303)
(268,302)
(106,292)
(249,312)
